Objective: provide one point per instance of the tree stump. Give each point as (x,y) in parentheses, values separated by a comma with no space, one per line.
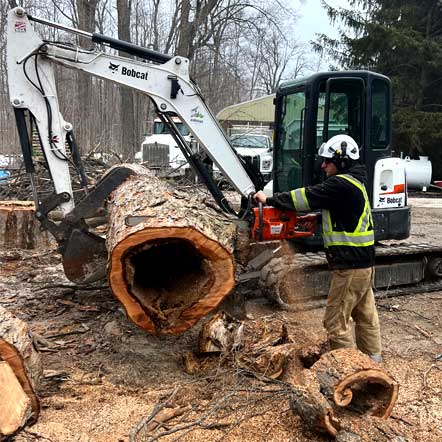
(20,375)
(342,383)
(19,229)
(170,254)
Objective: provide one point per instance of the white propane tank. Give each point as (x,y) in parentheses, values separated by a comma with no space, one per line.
(418,173)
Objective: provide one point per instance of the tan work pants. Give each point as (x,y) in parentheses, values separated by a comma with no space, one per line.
(351,296)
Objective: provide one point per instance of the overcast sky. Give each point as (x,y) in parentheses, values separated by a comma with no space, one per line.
(313,18)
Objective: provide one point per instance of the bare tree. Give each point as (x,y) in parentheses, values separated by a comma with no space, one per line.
(238,50)
(85,10)
(127,97)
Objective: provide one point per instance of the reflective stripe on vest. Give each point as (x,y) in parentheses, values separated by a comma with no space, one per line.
(299,199)
(363,234)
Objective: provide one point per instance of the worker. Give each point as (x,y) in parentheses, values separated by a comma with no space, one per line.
(347,229)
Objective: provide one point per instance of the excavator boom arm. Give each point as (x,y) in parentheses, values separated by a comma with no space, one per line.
(32,87)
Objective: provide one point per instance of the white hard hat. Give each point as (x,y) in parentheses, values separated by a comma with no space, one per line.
(340,146)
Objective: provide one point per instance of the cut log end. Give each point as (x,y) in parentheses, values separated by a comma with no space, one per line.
(15,407)
(365,384)
(169,278)
(20,375)
(358,383)
(344,383)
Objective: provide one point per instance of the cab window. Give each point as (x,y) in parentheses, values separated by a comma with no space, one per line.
(345,112)
(379,128)
(290,141)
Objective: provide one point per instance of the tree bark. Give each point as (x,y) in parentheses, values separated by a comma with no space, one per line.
(20,375)
(313,408)
(19,227)
(176,264)
(343,381)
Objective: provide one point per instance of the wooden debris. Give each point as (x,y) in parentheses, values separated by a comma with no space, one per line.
(170,255)
(340,381)
(191,363)
(219,334)
(18,353)
(314,409)
(18,186)
(19,229)
(271,361)
(309,355)
(163,416)
(267,353)
(422,331)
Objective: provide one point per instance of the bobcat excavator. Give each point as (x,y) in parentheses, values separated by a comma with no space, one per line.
(308,111)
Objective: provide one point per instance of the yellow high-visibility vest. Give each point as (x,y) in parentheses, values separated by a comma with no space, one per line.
(362,236)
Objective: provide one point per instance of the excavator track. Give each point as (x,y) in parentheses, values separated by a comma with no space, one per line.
(299,280)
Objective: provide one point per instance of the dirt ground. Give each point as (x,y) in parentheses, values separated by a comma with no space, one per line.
(103,376)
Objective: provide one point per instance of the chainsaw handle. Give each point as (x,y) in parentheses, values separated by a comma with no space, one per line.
(260,220)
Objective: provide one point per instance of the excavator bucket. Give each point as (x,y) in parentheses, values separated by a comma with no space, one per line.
(84,257)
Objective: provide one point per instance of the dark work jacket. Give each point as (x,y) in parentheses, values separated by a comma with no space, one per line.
(345,203)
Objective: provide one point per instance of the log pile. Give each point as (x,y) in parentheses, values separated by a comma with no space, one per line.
(20,374)
(340,383)
(18,185)
(170,254)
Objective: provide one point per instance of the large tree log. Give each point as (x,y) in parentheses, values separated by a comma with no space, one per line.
(18,226)
(175,265)
(19,405)
(341,382)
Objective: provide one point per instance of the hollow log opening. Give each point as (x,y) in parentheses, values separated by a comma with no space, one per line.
(369,398)
(167,276)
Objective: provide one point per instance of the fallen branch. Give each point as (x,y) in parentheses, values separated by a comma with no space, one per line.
(74,287)
(422,331)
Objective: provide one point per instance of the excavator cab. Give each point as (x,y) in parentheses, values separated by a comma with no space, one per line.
(311,110)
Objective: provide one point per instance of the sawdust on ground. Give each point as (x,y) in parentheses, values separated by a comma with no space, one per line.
(103,375)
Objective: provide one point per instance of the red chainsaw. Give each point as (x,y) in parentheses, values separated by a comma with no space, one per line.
(270,223)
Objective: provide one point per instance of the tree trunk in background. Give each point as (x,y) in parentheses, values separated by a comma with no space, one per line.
(127,117)
(185,27)
(194,29)
(86,10)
